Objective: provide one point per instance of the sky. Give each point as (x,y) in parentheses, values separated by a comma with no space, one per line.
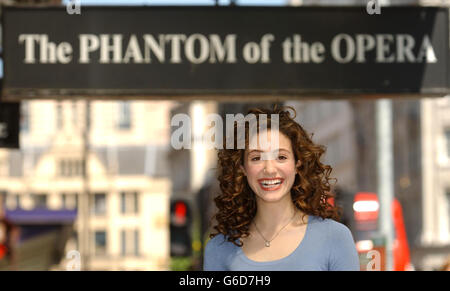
(180,2)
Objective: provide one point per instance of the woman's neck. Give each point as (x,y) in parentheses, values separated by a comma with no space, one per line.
(271,216)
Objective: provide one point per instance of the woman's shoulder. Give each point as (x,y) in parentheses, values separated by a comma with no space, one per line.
(329,226)
(219,242)
(339,240)
(218,252)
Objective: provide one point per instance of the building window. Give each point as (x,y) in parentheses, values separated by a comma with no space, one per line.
(59,116)
(136,242)
(99,205)
(17,201)
(75,239)
(76,200)
(74,113)
(129,202)
(123,240)
(40,200)
(100,243)
(124,120)
(12,201)
(129,242)
(24,116)
(69,200)
(71,167)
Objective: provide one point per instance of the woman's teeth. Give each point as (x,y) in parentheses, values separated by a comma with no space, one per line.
(271,183)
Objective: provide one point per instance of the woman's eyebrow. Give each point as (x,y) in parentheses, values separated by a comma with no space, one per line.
(286,150)
(260,151)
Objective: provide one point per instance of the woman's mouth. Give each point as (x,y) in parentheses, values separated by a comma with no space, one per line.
(270,184)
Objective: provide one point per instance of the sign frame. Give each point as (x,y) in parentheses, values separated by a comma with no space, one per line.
(232,94)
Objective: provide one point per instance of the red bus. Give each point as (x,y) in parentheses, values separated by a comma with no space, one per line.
(365,210)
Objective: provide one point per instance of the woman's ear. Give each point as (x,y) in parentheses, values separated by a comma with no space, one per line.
(243,170)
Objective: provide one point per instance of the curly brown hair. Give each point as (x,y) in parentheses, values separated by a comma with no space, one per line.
(310,192)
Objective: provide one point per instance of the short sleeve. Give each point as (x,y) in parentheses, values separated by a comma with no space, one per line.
(214,256)
(343,254)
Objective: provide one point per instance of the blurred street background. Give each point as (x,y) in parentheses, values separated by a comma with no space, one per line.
(147,206)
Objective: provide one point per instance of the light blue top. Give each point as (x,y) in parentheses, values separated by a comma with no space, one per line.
(326,246)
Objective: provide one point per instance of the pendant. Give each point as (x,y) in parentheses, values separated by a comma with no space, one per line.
(267,243)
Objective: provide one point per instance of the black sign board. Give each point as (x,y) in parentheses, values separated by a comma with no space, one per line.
(9,124)
(150,51)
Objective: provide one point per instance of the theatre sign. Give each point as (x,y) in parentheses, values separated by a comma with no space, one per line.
(165,52)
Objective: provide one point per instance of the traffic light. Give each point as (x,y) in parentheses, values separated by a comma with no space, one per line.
(180,227)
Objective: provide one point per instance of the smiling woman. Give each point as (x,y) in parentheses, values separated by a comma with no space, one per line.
(274,211)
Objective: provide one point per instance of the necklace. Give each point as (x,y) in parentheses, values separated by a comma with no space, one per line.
(267,242)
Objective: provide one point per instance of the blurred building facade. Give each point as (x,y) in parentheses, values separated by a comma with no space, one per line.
(421,150)
(193,167)
(421,132)
(190,167)
(128,181)
(435,118)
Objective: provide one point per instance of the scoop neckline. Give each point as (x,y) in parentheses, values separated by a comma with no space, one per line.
(247,259)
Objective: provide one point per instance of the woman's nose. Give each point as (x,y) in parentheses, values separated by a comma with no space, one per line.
(269,167)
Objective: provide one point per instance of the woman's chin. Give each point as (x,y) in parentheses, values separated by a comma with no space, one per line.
(270,196)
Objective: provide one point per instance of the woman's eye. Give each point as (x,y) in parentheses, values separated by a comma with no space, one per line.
(255,159)
(282,157)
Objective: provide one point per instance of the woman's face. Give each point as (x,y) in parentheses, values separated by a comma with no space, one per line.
(271,173)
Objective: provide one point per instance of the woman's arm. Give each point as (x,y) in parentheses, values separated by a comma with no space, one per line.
(343,254)
(214,255)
